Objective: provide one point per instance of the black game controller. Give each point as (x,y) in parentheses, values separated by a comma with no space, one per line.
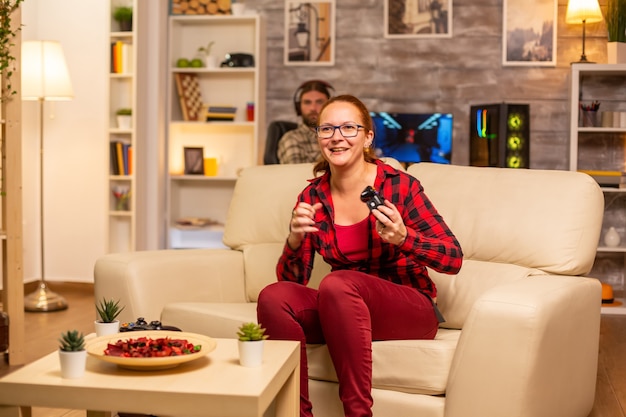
(370,197)
(141,324)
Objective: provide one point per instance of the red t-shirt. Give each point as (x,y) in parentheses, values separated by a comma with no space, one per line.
(352,240)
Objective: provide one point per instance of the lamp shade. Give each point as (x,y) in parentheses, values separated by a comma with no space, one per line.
(44,72)
(583,10)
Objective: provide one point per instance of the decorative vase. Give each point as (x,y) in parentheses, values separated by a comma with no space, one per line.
(105,329)
(73,364)
(126,25)
(124,122)
(251,353)
(210,61)
(238,9)
(611,238)
(616,52)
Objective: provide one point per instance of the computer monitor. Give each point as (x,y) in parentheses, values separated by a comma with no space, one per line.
(413,137)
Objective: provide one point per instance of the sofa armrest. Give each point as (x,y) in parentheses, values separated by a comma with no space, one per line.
(528,348)
(145,281)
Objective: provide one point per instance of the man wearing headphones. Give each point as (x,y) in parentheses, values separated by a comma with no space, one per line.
(300,145)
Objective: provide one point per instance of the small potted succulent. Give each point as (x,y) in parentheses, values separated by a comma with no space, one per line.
(107,323)
(123,15)
(72,354)
(251,337)
(124,118)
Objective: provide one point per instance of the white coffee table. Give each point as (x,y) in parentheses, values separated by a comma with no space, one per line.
(215,385)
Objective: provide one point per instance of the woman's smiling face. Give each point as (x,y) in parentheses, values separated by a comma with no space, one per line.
(339,150)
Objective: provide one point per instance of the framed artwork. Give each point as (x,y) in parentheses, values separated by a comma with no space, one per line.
(310,32)
(194,161)
(418,19)
(529,32)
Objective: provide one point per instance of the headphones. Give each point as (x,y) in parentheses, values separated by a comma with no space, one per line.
(311,85)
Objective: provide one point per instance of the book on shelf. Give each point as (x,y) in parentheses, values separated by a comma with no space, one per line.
(219,117)
(115,169)
(125,148)
(221,109)
(121,57)
(127,58)
(220,113)
(607,178)
(121,155)
(130,160)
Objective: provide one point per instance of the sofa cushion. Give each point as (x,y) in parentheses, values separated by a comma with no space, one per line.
(260,208)
(261,205)
(552,219)
(458,293)
(211,319)
(418,366)
(260,267)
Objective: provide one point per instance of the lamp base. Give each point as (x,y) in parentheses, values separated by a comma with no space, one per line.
(43,300)
(583,60)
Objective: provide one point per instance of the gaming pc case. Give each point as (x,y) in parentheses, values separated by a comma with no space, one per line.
(500,135)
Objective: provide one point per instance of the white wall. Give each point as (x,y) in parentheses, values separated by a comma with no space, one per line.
(75,165)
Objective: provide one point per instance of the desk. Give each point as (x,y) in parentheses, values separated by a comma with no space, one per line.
(211,386)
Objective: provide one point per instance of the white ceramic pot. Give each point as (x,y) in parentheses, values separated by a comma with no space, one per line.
(124,122)
(105,329)
(210,61)
(251,353)
(73,364)
(238,9)
(616,52)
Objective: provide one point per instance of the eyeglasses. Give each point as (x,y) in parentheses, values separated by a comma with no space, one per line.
(349,130)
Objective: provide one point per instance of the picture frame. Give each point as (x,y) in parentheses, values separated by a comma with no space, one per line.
(309,33)
(418,19)
(194,161)
(529,32)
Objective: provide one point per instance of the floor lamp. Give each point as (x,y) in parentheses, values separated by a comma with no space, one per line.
(44,78)
(583,11)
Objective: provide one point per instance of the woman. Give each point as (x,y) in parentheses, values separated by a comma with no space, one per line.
(379,287)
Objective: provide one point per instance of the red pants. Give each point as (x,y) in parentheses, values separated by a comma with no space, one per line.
(348,312)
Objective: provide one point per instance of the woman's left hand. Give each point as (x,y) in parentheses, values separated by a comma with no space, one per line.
(389,224)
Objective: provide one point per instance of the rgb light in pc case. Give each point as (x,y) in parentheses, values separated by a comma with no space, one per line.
(500,135)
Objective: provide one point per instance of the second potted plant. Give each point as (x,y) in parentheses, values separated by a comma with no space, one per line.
(210,61)
(616,27)
(123,15)
(124,118)
(72,354)
(251,337)
(107,323)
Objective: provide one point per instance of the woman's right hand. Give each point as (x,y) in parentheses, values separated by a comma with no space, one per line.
(301,223)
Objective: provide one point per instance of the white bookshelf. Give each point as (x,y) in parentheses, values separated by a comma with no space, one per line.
(602,148)
(235,144)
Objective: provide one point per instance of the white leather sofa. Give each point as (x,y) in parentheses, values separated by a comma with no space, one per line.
(522,330)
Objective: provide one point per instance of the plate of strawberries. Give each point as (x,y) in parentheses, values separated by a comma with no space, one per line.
(150,350)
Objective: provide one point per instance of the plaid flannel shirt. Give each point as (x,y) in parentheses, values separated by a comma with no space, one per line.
(429,241)
(298,146)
